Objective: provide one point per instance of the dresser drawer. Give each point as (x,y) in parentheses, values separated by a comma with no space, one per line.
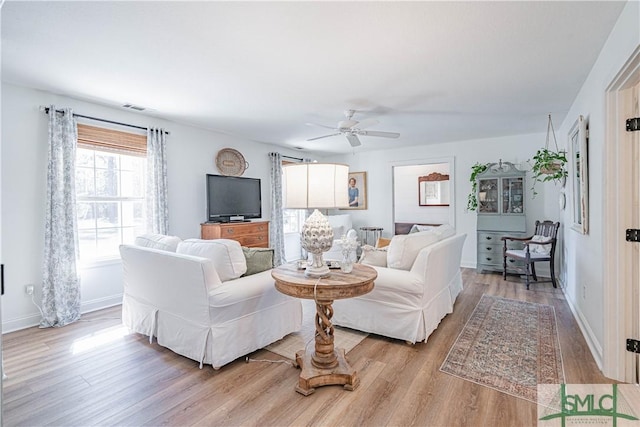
(253,234)
(254,240)
(230,231)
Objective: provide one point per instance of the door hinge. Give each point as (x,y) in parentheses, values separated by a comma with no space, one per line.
(633,235)
(633,124)
(633,345)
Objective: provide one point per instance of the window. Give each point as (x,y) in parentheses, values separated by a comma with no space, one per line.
(110,196)
(293,220)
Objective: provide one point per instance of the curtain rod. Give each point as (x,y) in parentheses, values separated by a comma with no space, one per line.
(46,110)
(293,158)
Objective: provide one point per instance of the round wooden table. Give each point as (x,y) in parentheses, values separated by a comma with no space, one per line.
(324,365)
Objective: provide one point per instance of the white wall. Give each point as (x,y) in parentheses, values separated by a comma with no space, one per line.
(516,149)
(406,195)
(190,152)
(584,253)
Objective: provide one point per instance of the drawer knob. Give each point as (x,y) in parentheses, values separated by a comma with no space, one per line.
(230,230)
(489,238)
(489,248)
(489,259)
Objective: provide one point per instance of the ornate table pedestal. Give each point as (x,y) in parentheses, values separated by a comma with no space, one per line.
(324,365)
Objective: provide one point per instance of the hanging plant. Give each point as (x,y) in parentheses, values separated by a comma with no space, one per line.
(472,201)
(548,165)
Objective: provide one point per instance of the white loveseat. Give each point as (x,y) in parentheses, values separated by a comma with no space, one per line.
(418,281)
(198,304)
(342,226)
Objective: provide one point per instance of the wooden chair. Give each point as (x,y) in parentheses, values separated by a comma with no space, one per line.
(537,248)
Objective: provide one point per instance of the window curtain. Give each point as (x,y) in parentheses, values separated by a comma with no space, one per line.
(61,282)
(276,236)
(156,189)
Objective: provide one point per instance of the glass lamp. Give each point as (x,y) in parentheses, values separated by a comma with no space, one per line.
(316,186)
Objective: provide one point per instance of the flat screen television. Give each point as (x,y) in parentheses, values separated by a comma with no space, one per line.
(233,198)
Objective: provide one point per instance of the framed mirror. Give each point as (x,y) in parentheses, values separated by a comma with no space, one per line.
(579,173)
(433,189)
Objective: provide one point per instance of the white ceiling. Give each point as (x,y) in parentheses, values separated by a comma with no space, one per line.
(433,71)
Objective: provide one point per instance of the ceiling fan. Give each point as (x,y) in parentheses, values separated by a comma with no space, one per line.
(351,128)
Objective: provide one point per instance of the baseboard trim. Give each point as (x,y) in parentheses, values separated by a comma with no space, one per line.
(85,307)
(587,333)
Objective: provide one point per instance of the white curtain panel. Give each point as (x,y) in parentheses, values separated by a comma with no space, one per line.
(60,282)
(276,236)
(156,190)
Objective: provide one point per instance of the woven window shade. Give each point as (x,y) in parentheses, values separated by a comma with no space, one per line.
(111,140)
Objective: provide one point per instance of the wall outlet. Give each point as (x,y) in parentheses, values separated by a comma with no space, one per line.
(29,289)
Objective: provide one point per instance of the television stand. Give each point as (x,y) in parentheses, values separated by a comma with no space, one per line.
(251,234)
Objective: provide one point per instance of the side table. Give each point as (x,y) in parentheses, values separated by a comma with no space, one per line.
(370,235)
(324,365)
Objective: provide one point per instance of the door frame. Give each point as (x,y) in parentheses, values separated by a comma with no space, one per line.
(618,254)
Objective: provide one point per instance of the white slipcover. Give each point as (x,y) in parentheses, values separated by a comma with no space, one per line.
(181,300)
(341,225)
(408,304)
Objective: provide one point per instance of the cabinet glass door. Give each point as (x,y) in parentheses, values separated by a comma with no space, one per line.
(488,195)
(513,195)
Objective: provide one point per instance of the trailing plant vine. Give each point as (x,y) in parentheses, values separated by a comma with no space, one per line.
(548,165)
(472,200)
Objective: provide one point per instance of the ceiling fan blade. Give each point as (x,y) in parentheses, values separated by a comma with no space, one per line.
(353,139)
(323,136)
(378,133)
(321,126)
(367,123)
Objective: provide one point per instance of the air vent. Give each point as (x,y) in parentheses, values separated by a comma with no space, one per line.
(133,107)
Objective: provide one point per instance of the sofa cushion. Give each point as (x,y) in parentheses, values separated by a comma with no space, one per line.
(540,249)
(226,255)
(403,249)
(257,259)
(373,256)
(444,231)
(158,241)
(338,232)
(382,242)
(343,221)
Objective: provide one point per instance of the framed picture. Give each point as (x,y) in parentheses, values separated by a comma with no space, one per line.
(579,174)
(357,190)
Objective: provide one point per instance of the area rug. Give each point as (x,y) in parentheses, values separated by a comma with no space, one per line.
(508,345)
(289,345)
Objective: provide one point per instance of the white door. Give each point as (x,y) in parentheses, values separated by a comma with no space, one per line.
(634,109)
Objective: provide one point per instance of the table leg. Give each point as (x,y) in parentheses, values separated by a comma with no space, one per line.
(324,365)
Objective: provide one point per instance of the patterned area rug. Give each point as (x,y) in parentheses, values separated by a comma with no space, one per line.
(508,345)
(289,345)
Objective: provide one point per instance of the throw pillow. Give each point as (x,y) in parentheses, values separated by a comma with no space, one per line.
(540,249)
(258,260)
(158,241)
(403,249)
(382,242)
(338,232)
(373,256)
(226,255)
(415,228)
(443,231)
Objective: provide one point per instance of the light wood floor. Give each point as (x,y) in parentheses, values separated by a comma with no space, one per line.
(131,382)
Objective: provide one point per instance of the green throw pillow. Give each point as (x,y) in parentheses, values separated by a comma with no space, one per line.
(258,260)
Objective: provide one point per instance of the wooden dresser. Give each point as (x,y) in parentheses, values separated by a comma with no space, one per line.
(251,234)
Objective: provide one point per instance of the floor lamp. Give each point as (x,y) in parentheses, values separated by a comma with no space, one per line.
(316,186)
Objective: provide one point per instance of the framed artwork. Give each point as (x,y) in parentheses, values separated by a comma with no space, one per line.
(357,190)
(579,174)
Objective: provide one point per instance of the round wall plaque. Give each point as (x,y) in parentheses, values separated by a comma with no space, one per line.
(231,162)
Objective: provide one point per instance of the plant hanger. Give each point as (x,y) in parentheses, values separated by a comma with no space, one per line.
(551,131)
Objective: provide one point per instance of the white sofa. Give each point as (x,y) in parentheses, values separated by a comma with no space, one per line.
(418,281)
(342,226)
(198,304)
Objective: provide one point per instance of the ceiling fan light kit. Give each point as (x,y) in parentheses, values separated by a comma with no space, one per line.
(351,128)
